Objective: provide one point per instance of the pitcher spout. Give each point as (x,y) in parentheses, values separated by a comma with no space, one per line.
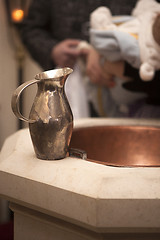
(54,74)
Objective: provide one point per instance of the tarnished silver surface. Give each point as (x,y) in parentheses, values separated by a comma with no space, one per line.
(50,120)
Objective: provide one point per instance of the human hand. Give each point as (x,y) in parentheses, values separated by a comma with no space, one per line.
(116,69)
(65,53)
(95,71)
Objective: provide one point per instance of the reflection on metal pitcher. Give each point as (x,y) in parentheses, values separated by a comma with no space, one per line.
(50,120)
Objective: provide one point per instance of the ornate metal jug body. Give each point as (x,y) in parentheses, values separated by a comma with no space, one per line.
(50,120)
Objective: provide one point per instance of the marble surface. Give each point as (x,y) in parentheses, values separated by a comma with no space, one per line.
(82,192)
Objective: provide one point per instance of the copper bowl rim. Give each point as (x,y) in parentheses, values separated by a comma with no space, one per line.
(126,126)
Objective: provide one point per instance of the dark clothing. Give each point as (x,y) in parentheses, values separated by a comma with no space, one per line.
(51,21)
(151,88)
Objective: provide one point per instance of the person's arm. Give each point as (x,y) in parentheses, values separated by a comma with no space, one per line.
(94,68)
(35,33)
(114,69)
(104,74)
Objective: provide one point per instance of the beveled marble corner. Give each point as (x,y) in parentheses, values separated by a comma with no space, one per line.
(97,197)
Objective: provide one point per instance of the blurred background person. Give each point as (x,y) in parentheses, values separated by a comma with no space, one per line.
(54,29)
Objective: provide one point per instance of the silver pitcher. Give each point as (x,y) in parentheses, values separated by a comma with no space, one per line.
(50,119)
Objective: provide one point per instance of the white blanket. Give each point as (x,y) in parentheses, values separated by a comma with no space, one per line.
(143,52)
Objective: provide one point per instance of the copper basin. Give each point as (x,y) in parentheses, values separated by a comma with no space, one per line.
(125,146)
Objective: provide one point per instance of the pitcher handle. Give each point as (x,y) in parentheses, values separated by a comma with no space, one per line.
(16,97)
